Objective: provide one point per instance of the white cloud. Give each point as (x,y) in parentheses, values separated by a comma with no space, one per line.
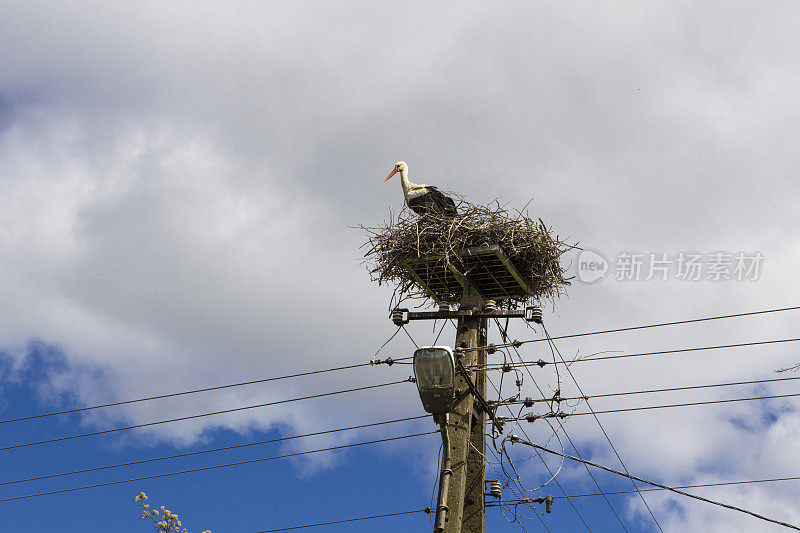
(177,182)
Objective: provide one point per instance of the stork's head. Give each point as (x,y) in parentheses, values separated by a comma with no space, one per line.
(400,166)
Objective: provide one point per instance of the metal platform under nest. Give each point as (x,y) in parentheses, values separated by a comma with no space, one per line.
(486,268)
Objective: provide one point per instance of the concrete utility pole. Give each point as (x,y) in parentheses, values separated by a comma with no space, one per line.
(467,425)
(474,519)
(462,481)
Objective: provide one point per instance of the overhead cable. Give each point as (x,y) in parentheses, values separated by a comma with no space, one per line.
(695,486)
(532,417)
(651,391)
(183,393)
(542,363)
(191,417)
(426,510)
(597,484)
(213,467)
(689,404)
(658,325)
(555,351)
(544,463)
(199,452)
(671,489)
(357,365)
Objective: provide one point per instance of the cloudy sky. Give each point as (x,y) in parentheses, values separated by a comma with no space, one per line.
(179,186)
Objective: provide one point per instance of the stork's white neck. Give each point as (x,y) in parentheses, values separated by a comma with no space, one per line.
(408,187)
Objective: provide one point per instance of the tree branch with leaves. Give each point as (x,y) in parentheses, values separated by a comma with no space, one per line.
(164,520)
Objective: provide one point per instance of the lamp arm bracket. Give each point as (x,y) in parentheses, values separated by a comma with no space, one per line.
(464,372)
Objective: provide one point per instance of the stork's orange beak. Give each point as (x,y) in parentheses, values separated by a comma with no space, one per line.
(390,175)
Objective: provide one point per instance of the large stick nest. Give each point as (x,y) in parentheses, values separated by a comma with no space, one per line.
(528,244)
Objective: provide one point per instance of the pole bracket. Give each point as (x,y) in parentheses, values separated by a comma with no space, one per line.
(485,406)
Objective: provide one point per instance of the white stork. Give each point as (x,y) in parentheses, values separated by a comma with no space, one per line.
(423,199)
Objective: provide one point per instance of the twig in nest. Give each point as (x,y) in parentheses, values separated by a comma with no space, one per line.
(528,244)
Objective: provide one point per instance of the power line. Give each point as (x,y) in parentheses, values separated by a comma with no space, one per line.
(509,485)
(650,391)
(658,325)
(649,407)
(664,487)
(544,463)
(542,363)
(357,365)
(195,391)
(738,345)
(555,351)
(689,404)
(653,489)
(426,510)
(349,367)
(213,467)
(199,452)
(387,342)
(696,486)
(553,477)
(597,484)
(191,417)
(409,336)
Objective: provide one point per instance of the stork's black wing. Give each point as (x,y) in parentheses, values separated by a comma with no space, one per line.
(444,204)
(434,201)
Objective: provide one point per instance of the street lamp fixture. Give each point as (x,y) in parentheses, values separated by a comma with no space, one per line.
(434,369)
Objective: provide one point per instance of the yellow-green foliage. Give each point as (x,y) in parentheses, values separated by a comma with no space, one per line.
(164,520)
